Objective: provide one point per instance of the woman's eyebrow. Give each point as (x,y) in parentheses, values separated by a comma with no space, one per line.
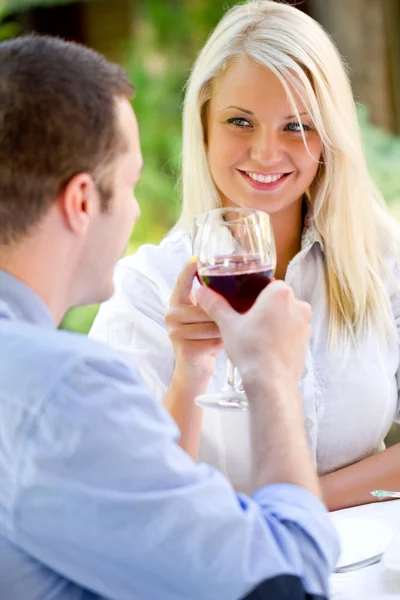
(294,116)
(248,112)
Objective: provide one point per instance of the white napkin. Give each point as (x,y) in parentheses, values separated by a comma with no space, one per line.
(391,557)
(367,530)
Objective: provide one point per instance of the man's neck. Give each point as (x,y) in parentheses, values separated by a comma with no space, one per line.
(39,265)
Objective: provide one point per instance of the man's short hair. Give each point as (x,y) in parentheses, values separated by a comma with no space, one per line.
(57,119)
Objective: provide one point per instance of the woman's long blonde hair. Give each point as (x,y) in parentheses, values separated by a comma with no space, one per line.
(348,211)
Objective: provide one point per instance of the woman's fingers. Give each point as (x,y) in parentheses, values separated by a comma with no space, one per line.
(194,331)
(183,287)
(186,313)
(201,348)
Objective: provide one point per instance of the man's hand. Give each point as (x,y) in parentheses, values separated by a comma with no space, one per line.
(268,344)
(271,339)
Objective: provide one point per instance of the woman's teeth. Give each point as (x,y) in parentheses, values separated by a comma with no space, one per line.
(264,178)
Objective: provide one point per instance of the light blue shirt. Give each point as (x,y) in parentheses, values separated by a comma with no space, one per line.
(98,501)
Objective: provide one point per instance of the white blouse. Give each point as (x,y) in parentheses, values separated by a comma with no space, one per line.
(350,399)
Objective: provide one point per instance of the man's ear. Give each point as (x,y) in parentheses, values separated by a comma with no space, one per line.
(79,202)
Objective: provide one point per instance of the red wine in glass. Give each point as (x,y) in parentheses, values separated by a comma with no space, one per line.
(238,278)
(236,258)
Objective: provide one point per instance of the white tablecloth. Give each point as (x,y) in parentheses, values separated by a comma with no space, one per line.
(365,531)
(371,583)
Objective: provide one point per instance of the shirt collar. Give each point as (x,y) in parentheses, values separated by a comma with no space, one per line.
(19,302)
(310,236)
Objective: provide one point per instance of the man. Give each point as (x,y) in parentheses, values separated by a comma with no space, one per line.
(96,498)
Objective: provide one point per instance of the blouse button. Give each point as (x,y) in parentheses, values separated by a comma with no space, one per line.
(308,424)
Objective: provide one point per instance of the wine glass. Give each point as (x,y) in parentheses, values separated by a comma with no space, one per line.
(236,257)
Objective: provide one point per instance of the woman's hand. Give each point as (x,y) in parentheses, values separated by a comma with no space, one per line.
(196,342)
(195,338)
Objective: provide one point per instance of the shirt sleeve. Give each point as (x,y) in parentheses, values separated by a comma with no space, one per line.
(133,322)
(106,498)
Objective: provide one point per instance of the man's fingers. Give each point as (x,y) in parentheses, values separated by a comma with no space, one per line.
(215,306)
(276,292)
(305,310)
(183,286)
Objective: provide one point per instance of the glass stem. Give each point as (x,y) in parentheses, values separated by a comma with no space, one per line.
(233,379)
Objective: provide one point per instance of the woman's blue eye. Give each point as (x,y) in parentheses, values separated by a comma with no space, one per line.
(297,127)
(239,122)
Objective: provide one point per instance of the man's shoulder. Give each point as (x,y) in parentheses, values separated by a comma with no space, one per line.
(63,380)
(38,358)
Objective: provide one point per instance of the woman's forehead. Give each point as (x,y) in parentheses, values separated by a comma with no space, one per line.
(254,87)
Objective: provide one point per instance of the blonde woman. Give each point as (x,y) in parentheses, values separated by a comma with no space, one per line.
(270,123)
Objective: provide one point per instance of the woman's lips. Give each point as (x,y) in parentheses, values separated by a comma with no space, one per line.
(265,186)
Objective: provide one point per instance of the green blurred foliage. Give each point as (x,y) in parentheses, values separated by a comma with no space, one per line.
(383,157)
(8,29)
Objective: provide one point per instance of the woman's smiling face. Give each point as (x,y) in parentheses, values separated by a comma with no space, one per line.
(255,147)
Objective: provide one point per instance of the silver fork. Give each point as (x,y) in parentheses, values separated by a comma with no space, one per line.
(372,560)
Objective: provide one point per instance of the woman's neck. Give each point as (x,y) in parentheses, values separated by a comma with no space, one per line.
(288,227)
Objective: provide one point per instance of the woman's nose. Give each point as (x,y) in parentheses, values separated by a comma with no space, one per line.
(267,148)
